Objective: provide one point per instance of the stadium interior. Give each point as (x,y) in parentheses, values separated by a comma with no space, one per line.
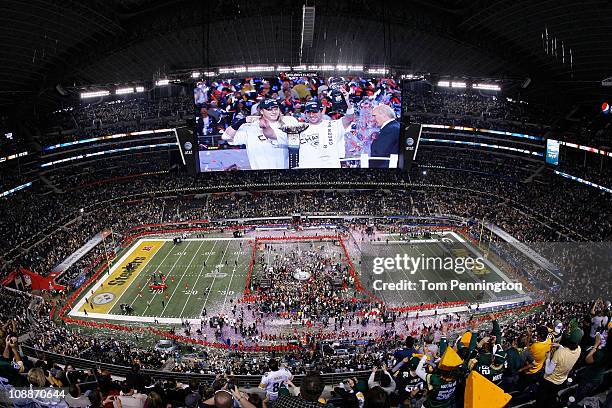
(280,204)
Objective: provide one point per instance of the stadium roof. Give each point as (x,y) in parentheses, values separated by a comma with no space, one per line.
(75,43)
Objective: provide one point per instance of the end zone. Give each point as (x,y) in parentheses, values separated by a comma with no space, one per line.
(108,290)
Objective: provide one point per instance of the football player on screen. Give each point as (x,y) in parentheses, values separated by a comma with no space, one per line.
(322,143)
(265,143)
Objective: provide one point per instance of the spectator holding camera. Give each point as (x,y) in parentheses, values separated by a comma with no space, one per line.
(11,364)
(386,382)
(351,397)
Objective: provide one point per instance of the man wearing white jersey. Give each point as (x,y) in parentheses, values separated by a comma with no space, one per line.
(266,144)
(322,144)
(275,379)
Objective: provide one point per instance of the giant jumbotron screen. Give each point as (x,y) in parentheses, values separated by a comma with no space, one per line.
(297,121)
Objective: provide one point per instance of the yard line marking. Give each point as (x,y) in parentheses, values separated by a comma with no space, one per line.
(230,282)
(171,269)
(198,276)
(179,282)
(213,282)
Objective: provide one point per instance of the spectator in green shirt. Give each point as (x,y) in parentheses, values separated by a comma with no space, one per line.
(597,360)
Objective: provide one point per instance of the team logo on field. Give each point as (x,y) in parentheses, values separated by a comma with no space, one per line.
(103,298)
(409,142)
(147,248)
(188,145)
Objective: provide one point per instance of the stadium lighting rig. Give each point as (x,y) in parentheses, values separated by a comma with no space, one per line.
(487,87)
(197,73)
(464,85)
(413,77)
(124,91)
(295,68)
(260,68)
(129,90)
(378,71)
(162,82)
(94,94)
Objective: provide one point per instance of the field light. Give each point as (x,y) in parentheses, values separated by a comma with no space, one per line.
(260,68)
(283,68)
(195,74)
(162,82)
(487,87)
(326,68)
(140,89)
(95,94)
(124,91)
(458,84)
(444,83)
(378,71)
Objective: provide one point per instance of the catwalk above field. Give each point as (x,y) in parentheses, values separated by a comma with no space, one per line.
(78,43)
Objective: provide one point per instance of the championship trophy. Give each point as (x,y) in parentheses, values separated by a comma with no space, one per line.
(335,85)
(293,142)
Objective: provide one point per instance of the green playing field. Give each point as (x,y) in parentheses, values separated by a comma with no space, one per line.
(444,246)
(211,273)
(199,273)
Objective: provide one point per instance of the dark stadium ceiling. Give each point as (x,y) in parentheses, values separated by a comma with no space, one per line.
(50,42)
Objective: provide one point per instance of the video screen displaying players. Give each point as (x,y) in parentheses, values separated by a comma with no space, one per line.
(297,122)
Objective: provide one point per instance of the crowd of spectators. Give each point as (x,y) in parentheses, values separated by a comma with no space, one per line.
(531,355)
(499,191)
(420,201)
(118,116)
(478,109)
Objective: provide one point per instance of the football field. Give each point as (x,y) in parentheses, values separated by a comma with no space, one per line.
(447,245)
(210,274)
(200,274)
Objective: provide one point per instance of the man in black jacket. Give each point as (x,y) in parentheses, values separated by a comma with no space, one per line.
(387,141)
(206,127)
